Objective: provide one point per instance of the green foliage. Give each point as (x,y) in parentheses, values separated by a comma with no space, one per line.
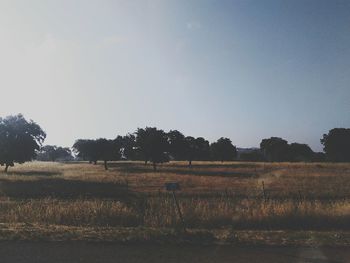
(300,152)
(53,153)
(86,149)
(275,149)
(196,149)
(278,150)
(19,140)
(223,150)
(177,145)
(337,145)
(253,156)
(127,145)
(153,145)
(100,149)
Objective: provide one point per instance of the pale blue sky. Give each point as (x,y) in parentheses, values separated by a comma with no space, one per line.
(246,70)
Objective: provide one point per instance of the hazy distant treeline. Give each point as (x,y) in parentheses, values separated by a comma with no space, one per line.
(157,146)
(21,141)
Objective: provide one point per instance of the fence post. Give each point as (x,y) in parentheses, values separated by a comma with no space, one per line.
(300,197)
(179,211)
(264,193)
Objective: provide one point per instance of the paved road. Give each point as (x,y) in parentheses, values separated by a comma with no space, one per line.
(67,252)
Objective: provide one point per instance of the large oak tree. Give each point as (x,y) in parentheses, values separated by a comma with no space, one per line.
(337,145)
(19,140)
(223,150)
(153,145)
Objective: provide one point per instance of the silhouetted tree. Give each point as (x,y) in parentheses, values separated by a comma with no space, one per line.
(319,157)
(275,149)
(252,156)
(127,146)
(337,145)
(53,153)
(223,150)
(196,149)
(19,140)
(63,153)
(153,145)
(203,149)
(100,149)
(177,145)
(190,149)
(108,150)
(300,152)
(143,144)
(86,149)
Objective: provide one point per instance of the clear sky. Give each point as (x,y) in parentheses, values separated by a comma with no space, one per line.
(246,70)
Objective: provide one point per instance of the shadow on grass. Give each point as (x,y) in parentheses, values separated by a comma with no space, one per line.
(61,188)
(218,165)
(33,173)
(194,165)
(182,171)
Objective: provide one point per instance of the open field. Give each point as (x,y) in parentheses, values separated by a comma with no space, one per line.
(316,180)
(228,196)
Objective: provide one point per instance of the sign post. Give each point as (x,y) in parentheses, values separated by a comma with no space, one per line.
(172,187)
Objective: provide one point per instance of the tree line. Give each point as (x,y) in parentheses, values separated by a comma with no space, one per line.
(155,146)
(22,140)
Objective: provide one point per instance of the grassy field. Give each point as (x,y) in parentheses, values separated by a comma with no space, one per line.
(235,196)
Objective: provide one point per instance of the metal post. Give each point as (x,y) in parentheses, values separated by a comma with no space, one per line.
(264,193)
(179,211)
(300,197)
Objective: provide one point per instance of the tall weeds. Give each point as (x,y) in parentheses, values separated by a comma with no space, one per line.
(198,213)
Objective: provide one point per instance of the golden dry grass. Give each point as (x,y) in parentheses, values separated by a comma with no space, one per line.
(203,178)
(213,195)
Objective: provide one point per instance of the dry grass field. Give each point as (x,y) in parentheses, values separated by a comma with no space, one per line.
(235,195)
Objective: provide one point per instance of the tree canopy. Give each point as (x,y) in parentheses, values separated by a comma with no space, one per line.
(252,156)
(19,140)
(336,145)
(196,149)
(86,150)
(127,146)
(177,145)
(100,149)
(223,150)
(300,152)
(275,149)
(53,153)
(108,150)
(153,145)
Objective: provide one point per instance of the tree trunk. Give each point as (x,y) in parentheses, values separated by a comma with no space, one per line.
(154,166)
(6,168)
(105,163)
